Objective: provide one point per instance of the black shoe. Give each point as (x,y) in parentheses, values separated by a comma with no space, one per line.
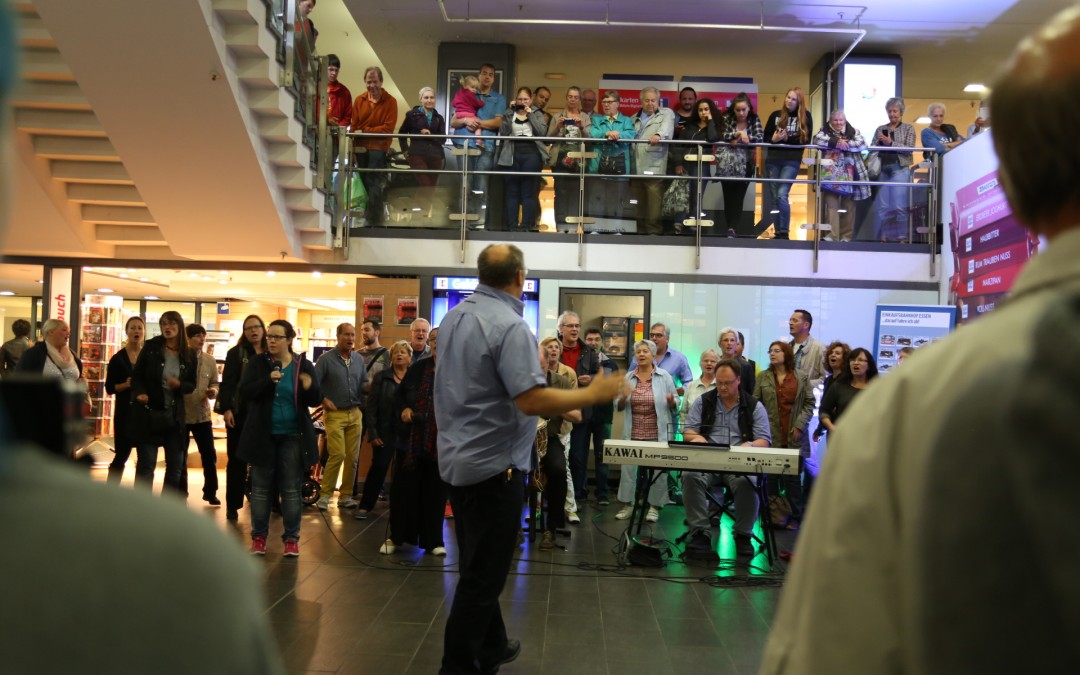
(231,514)
(744,547)
(699,543)
(212,500)
(513,650)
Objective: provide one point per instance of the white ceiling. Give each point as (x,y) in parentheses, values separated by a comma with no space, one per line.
(970,37)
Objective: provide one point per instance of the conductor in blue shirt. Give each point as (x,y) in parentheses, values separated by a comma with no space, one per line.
(489,389)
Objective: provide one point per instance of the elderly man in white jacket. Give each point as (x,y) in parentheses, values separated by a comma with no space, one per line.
(654,124)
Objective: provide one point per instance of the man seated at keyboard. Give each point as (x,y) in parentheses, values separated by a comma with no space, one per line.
(724,416)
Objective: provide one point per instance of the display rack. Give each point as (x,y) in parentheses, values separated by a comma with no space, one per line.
(102,335)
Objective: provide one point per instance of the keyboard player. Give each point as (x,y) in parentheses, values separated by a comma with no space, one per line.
(724,416)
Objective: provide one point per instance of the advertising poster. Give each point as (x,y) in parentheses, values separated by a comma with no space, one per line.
(721,90)
(915,326)
(373,308)
(989,246)
(406,311)
(630,86)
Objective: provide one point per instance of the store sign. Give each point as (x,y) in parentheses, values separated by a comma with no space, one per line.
(914,326)
(470,284)
(223,309)
(60,294)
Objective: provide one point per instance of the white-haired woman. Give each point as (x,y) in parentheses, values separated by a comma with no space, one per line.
(707,381)
(844,145)
(52,357)
(651,404)
(425,150)
(939,137)
(892,202)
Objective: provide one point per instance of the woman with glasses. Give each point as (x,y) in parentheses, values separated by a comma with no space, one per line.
(229,405)
(279,388)
(163,374)
(861,370)
(613,158)
(570,124)
(789,401)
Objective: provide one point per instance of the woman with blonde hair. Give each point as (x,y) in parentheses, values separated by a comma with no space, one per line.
(424,150)
(383,426)
(790,125)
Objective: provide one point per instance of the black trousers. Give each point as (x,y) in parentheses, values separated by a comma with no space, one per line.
(203,432)
(381,456)
(236,469)
(554,496)
(487,517)
(417,504)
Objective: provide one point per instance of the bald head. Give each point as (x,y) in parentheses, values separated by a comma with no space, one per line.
(499,264)
(1038,175)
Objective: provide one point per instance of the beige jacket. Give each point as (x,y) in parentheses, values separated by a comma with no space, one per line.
(196,404)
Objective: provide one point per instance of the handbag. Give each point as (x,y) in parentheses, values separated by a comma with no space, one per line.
(676,199)
(146,424)
(836,177)
(730,162)
(613,165)
(568,164)
(873,166)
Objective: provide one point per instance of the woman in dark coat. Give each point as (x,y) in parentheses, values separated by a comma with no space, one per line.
(418,495)
(384,428)
(164,372)
(425,151)
(230,405)
(278,438)
(118,383)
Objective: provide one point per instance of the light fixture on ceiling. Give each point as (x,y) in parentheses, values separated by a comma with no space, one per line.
(7,292)
(975,88)
(150,297)
(271,273)
(555,76)
(223,271)
(123,275)
(193,275)
(105,290)
(143,279)
(41,281)
(316,274)
(341,283)
(223,281)
(923,120)
(207,277)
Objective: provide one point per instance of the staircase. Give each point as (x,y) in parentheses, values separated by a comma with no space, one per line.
(251,47)
(71,149)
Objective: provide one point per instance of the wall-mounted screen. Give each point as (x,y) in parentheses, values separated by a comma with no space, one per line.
(449,291)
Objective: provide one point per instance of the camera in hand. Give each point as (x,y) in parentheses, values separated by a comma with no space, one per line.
(517,107)
(45,412)
(570,122)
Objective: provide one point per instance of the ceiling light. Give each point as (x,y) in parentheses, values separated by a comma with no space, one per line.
(207,278)
(88,269)
(223,281)
(975,88)
(123,275)
(317,274)
(341,283)
(271,273)
(41,281)
(143,279)
(150,297)
(7,292)
(131,271)
(105,290)
(555,76)
(193,275)
(923,120)
(223,271)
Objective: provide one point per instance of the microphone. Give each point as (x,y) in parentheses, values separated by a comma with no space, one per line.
(277,369)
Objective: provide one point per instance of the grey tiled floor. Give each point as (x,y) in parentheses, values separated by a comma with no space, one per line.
(343,608)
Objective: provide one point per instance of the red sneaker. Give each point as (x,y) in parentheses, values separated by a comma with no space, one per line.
(292,548)
(448,513)
(258,545)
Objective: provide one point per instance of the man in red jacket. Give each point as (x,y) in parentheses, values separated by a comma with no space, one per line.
(340,109)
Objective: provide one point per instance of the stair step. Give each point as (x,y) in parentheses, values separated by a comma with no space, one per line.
(31,29)
(255,72)
(145,253)
(300,200)
(117,215)
(294,177)
(44,64)
(284,154)
(75,147)
(116,195)
(131,235)
(316,240)
(51,95)
(58,122)
(68,171)
(270,101)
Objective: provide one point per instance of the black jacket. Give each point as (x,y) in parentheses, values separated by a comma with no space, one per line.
(236,360)
(147,375)
(257,391)
(422,145)
(379,416)
(747,404)
(34,359)
(119,370)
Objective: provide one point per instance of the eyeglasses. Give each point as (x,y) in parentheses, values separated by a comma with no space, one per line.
(656,335)
(275,337)
(607,102)
(571,325)
(775,350)
(860,360)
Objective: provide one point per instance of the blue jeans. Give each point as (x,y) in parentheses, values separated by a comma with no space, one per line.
(892,204)
(477,203)
(286,472)
(522,191)
(786,169)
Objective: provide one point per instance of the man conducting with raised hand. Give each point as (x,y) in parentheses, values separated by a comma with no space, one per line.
(489,388)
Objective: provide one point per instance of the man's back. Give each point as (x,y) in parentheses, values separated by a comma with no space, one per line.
(848,603)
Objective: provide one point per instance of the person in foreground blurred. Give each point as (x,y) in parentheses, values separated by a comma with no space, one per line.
(191,584)
(861,599)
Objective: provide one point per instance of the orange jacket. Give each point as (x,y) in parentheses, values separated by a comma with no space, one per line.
(375,118)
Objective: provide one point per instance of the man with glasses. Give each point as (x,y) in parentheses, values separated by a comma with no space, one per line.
(418,339)
(671,360)
(588,102)
(725,416)
(586,363)
(608,196)
(654,124)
